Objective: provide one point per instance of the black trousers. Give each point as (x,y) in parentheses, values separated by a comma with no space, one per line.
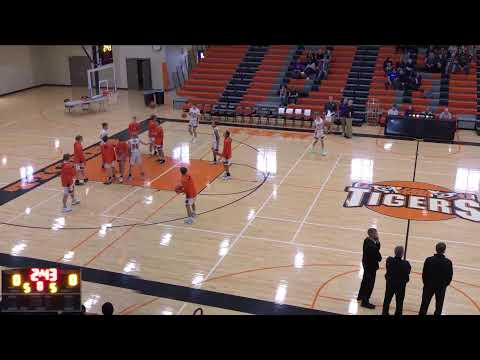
(366,287)
(399,291)
(427,295)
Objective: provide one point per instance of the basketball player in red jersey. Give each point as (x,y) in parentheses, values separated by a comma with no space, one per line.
(158,142)
(108,157)
(152,126)
(188,187)
(79,160)
(122,154)
(133,127)
(67,174)
(227,155)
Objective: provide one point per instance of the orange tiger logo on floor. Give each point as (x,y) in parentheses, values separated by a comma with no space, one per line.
(412,200)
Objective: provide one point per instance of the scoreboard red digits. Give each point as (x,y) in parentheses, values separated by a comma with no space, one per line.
(41,289)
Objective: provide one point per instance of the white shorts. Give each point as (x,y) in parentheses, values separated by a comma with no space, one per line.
(79,166)
(67,190)
(108,165)
(319,135)
(215,146)
(135,158)
(193,124)
(190,201)
(227,161)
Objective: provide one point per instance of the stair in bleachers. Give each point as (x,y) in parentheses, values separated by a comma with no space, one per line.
(243,76)
(264,88)
(209,78)
(333,85)
(359,79)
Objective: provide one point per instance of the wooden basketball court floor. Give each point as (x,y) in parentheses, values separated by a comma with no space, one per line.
(289,241)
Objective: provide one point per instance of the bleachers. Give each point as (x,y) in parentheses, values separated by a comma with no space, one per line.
(458,92)
(209,78)
(333,85)
(243,81)
(266,81)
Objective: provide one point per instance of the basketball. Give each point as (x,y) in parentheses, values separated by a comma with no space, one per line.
(184,115)
(179,189)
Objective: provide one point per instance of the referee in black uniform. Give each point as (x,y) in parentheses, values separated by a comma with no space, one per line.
(370,259)
(397,276)
(437,275)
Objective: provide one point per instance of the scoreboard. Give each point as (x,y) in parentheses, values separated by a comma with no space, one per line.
(106,54)
(41,290)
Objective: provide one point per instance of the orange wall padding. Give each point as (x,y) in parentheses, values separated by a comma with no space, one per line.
(165,76)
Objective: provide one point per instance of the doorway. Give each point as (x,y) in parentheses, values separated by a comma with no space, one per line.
(139,74)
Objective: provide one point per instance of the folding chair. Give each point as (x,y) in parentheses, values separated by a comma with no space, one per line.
(200,107)
(280,114)
(259,114)
(297,115)
(288,115)
(230,112)
(239,113)
(248,111)
(307,117)
(268,114)
(207,110)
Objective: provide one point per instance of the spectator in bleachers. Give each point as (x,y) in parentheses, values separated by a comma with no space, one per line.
(387,65)
(402,79)
(283,95)
(393,111)
(409,67)
(430,62)
(391,79)
(409,111)
(292,96)
(298,69)
(415,81)
(446,115)
(310,69)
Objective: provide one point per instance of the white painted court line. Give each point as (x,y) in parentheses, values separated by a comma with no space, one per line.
(249,222)
(131,192)
(316,198)
(137,189)
(278,219)
(364,230)
(464,267)
(301,244)
(181,309)
(20,214)
(168,225)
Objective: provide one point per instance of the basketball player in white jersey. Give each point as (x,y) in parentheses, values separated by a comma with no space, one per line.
(319,133)
(193,120)
(135,155)
(215,142)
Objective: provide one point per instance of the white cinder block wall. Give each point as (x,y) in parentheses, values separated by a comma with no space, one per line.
(22,67)
(16,68)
